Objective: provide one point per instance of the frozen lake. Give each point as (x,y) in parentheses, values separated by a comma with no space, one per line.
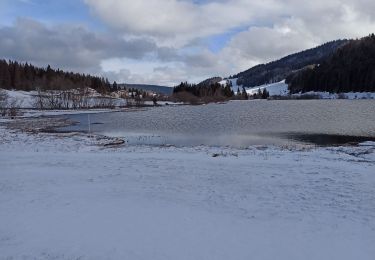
(239,123)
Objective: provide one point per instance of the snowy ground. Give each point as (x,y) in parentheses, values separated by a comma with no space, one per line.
(275,89)
(66,197)
(281,89)
(26,99)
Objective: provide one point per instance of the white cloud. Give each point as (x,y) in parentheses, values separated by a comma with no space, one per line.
(164,41)
(265,44)
(173,22)
(68,47)
(180,22)
(274,28)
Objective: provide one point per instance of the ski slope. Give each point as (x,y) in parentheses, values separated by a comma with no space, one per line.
(275,89)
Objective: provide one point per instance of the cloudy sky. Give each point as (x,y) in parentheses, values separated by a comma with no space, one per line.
(169,41)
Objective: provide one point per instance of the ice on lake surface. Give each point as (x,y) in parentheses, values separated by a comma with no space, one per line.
(239,123)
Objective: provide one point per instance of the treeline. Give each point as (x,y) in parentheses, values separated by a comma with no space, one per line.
(23,76)
(194,93)
(160,90)
(207,91)
(350,69)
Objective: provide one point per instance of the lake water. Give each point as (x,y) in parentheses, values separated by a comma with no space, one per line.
(239,123)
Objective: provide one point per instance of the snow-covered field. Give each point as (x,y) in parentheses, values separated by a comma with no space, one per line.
(65,197)
(27,99)
(24,99)
(281,89)
(275,89)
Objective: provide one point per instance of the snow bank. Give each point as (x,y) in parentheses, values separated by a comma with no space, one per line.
(63,197)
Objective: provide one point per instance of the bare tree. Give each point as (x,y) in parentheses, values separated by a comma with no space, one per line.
(104,102)
(53,100)
(84,96)
(66,98)
(76,100)
(13,108)
(138,101)
(155,100)
(3,102)
(39,100)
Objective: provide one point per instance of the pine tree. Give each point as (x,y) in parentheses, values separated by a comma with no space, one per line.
(265,94)
(27,77)
(5,77)
(244,93)
(16,76)
(114,86)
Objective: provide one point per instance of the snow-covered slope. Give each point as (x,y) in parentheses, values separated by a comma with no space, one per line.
(233,83)
(275,89)
(24,99)
(281,89)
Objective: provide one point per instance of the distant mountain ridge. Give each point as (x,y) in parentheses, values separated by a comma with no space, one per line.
(279,70)
(153,88)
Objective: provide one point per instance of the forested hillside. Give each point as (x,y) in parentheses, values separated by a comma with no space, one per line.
(19,76)
(350,69)
(278,70)
(144,87)
(205,93)
(209,82)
